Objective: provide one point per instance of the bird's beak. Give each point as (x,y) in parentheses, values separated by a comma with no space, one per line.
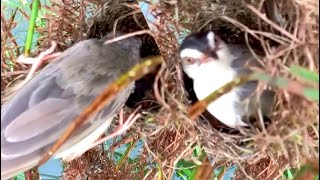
(205,59)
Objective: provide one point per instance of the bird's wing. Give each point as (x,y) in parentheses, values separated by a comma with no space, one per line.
(241,64)
(36,117)
(31,121)
(38,114)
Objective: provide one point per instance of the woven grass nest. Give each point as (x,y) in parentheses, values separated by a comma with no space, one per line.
(290,138)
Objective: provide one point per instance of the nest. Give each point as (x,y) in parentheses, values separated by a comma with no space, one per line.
(293,116)
(166,130)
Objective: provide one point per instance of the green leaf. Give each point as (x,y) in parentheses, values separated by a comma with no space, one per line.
(20,177)
(160,173)
(182,176)
(197,151)
(311,93)
(289,173)
(185,169)
(220,172)
(308,92)
(290,176)
(188,169)
(275,81)
(308,167)
(125,155)
(304,74)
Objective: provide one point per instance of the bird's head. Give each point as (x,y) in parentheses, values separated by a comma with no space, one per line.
(202,48)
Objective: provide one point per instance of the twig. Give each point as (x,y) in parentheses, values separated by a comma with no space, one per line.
(32,174)
(14,73)
(128,35)
(200,106)
(123,16)
(274,25)
(255,33)
(36,62)
(156,88)
(121,129)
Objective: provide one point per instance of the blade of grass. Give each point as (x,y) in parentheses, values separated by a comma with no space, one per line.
(160,172)
(203,171)
(125,154)
(305,74)
(291,86)
(311,93)
(220,172)
(185,168)
(182,175)
(32,23)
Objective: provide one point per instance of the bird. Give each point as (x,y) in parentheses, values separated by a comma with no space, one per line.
(40,111)
(211,63)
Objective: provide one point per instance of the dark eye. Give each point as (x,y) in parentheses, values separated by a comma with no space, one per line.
(189,60)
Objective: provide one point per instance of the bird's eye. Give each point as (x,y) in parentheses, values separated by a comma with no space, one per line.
(189,60)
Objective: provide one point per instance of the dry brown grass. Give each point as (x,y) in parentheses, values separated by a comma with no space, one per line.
(165,128)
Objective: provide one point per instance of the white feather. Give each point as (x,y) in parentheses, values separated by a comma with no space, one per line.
(191,53)
(210,37)
(82,146)
(209,77)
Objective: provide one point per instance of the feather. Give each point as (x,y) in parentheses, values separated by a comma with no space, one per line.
(37,115)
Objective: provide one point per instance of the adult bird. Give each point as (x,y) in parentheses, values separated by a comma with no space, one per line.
(211,63)
(38,114)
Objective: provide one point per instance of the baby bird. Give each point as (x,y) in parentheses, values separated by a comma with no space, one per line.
(211,63)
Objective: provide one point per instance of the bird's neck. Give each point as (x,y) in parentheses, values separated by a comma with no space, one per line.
(215,72)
